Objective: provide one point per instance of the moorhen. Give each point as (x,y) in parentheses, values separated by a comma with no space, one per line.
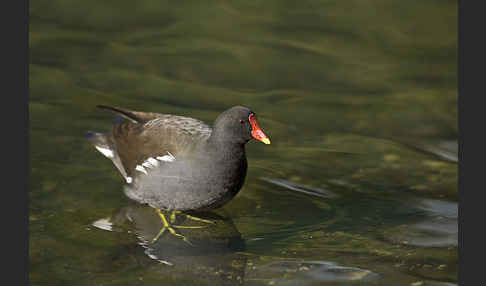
(178,163)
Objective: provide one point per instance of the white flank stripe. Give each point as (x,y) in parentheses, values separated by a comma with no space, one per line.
(147,165)
(141,169)
(166,158)
(105,151)
(153,161)
(104,224)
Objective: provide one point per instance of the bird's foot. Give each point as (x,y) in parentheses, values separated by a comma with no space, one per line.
(171,226)
(166,226)
(188,216)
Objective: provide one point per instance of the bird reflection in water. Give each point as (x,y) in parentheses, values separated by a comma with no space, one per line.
(212,254)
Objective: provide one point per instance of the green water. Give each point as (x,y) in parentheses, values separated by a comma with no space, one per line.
(358,97)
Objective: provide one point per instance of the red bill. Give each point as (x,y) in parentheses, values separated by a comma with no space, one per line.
(256,131)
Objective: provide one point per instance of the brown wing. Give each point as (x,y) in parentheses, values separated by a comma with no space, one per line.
(164,135)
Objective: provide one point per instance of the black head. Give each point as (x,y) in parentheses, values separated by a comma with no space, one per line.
(239,125)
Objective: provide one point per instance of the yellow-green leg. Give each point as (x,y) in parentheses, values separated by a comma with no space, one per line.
(173,214)
(170,227)
(162,230)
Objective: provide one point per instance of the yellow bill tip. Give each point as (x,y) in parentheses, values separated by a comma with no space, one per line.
(265,140)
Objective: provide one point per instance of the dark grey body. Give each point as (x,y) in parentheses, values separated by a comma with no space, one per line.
(195,183)
(207,166)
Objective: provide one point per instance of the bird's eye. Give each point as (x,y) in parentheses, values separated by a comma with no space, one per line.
(242,121)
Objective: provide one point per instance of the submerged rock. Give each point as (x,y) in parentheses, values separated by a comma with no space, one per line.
(309,273)
(438,229)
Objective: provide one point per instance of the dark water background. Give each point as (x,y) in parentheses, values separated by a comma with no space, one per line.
(358,97)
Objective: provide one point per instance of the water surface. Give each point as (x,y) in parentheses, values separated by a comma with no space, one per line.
(359,98)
